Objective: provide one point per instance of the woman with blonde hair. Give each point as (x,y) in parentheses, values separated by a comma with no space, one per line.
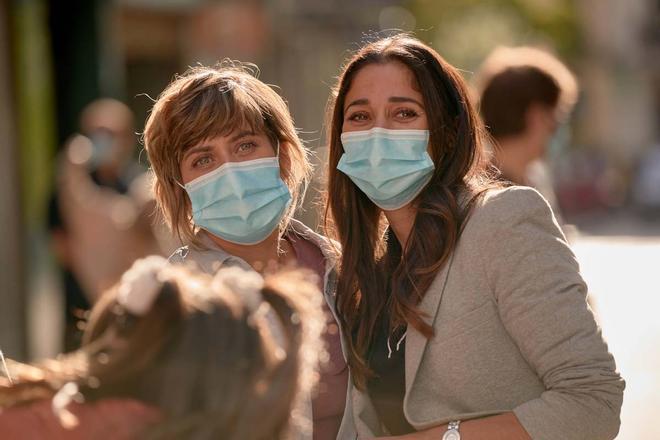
(464,309)
(173,353)
(230,171)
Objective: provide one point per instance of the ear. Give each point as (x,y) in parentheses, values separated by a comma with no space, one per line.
(540,119)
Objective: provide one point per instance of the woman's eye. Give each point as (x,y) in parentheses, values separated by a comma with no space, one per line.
(358,117)
(406,113)
(202,161)
(246,147)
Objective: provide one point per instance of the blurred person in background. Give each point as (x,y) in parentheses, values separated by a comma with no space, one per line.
(462,304)
(100,215)
(526,96)
(174,353)
(646,185)
(230,171)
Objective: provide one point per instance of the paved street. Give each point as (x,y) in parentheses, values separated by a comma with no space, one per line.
(621,264)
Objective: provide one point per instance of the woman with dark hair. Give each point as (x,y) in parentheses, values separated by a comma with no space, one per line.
(462,305)
(173,353)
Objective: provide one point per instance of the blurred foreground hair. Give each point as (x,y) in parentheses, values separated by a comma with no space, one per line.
(221,357)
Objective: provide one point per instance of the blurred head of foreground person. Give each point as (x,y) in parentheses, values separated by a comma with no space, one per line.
(173,353)
(525,94)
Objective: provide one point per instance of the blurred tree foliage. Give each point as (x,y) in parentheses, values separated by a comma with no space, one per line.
(465,31)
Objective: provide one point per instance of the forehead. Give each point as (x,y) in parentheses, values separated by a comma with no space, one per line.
(222,115)
(380,81)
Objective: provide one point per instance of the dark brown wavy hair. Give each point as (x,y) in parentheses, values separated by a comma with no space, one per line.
(378,276)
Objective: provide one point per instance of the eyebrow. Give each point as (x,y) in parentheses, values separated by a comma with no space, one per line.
(197,149)
(404,99)
(364,101)
(207,148)
(361,101)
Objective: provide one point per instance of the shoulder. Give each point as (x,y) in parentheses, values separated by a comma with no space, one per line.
(121,418)
(512,200)
(501,208)
(117,418)
(116,411)
(329,248)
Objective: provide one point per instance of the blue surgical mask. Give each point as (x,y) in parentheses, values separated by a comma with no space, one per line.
(103,143)
(241,202)
(390,166)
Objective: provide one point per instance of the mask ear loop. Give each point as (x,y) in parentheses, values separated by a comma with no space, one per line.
(179,183)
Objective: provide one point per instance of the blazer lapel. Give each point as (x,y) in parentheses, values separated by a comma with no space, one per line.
(415,341)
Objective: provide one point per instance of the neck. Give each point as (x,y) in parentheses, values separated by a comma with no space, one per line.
(512,157)
(268,254)
(401,221)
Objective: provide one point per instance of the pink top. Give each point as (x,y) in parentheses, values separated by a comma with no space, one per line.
(328,405)
(116,419)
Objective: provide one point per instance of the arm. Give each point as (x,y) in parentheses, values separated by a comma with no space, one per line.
(541,297)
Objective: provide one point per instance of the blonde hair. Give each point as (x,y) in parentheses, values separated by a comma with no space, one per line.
(206,102)
(214,354)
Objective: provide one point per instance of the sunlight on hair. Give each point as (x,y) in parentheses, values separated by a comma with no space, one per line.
(249,284)
(141,284)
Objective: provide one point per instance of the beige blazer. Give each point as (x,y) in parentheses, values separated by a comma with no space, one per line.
(513,332)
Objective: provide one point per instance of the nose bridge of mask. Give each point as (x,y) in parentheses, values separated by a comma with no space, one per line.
(375,155)
(380,145)
(378,136)
(236,180)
